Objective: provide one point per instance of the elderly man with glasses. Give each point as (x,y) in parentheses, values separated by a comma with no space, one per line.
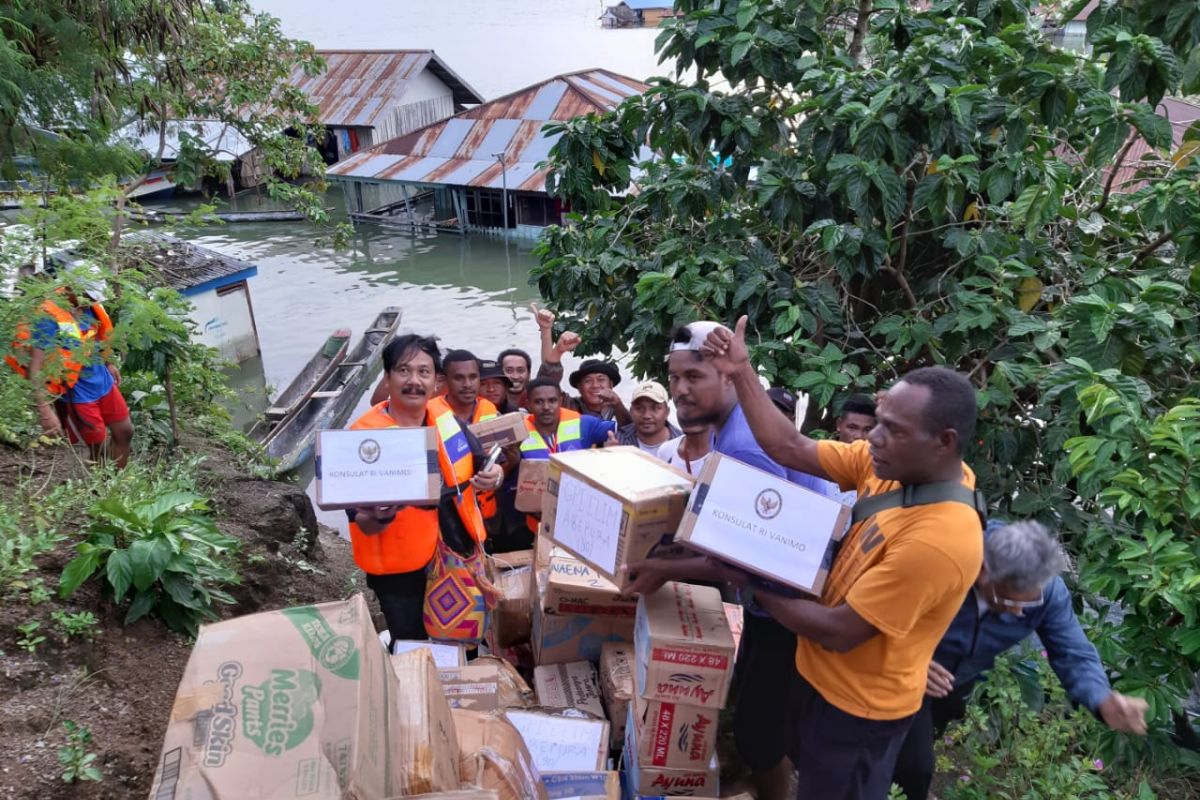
(1018,593)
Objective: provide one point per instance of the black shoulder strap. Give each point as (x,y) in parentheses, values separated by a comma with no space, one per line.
(922,494)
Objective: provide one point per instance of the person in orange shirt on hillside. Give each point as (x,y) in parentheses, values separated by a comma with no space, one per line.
(898,579)
(393,544)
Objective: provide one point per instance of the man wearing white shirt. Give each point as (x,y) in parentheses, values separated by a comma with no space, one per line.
(689,451)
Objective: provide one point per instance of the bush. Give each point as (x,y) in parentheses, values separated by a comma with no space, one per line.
(1021,739)
(165,549)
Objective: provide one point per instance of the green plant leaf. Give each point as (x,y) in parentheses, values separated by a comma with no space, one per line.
(143,603)
(78,570)
(120,573)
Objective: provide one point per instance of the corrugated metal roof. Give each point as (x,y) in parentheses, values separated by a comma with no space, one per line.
(645,5)
(461,151)
(184,265)
(360,86)
(1181,116)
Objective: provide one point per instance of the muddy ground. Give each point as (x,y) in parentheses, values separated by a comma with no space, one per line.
(122,684)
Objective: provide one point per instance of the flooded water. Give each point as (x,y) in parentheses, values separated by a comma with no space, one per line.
(497,46)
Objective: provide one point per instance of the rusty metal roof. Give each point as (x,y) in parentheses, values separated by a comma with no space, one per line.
(1182,116)
(461,150)
(360,86)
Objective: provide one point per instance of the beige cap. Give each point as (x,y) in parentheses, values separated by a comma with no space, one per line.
(651,390)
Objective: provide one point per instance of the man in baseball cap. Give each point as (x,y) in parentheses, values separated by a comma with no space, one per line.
(650,427)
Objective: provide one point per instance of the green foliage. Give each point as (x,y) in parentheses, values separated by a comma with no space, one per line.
(162,550)
(25,534)
(1021,739)
(81,624)
(941,189)
(78,764)
(30,638)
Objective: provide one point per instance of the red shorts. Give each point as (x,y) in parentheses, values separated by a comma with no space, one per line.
(88,422)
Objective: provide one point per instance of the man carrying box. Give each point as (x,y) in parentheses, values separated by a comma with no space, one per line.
(765,660)
(897,581)
(393,543)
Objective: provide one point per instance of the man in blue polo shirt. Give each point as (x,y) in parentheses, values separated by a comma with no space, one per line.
(766,657)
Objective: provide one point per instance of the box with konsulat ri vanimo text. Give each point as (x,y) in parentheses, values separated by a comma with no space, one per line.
(763,524)
(377,467)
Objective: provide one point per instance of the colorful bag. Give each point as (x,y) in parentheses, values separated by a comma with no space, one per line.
(458,596)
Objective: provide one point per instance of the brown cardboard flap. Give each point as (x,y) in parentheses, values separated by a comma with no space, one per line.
(531,485)
(494,757)
(425,741)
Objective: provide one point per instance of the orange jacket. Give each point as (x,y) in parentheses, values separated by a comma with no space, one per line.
(485,409)
(69,328)
(407,544)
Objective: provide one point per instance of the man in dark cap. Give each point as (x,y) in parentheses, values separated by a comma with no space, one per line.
(784,400)
(594,380)
(494,385)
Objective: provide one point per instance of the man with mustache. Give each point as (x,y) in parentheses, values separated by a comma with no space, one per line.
(393,544)
(900,575)
(707,400)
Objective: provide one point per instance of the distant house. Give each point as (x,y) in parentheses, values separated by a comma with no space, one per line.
(620,16)
(1072,34)
(217,286)
(225,141)
(651,12)
(370,96)
(479,170)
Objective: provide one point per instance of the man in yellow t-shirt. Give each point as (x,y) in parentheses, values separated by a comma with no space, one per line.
(897,581)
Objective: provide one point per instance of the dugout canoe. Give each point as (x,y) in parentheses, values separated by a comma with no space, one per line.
(334,399)
(331,353)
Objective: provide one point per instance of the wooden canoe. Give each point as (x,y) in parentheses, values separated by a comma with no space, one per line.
(318,368)
(330,405)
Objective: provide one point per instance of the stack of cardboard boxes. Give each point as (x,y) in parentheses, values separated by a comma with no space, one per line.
(683,666)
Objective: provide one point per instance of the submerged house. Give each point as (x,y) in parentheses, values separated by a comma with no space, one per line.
(215,284)
(479,170)
(366,97)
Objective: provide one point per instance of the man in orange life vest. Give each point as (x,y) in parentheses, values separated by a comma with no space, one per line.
(554,429)
(393,544)
(462,372)
(76,391)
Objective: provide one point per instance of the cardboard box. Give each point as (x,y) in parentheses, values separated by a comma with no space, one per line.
(572,587)
(684,647)
(425,737)
(644,782)
(285,704)
(379,466)
(512,619)
(764,524)
(494,756)
(460,794)
(582,785)
(562,742)
(544,550)
(612,506)
(735,615)
(531,485)
(515,560)
(673,735)
(561,638)
(504,430)
(571,685)
(444,655)
(616,685)
(486,684)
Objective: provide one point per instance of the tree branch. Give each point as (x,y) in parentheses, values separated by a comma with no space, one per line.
(1112,174)
(1149,249)
(861,24)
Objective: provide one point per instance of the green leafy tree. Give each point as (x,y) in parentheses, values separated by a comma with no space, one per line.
(879,188)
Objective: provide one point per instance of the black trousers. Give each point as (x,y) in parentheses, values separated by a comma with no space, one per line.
(402,601)
(840,756)
(915,766)
(766,667)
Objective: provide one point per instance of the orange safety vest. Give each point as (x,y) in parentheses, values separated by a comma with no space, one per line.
(407,544)
(68,328)
(484,410)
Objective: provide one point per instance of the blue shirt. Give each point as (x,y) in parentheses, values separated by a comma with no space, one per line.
(971,643)
(736,440)
(95,381)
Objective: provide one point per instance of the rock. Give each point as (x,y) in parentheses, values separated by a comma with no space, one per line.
(276,512)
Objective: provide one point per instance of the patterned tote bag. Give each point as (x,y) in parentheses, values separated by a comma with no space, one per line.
(458,597)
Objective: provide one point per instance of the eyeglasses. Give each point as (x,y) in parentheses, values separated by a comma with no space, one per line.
(1021,604)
